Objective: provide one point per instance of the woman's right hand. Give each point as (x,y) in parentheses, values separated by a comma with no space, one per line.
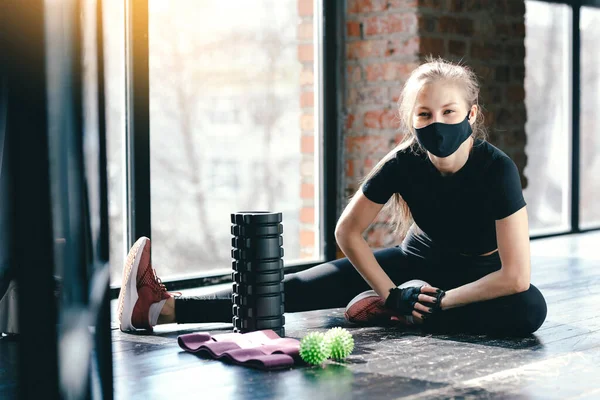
(413,301)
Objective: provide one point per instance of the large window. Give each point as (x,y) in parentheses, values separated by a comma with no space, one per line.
(548,127)
(234,126)
(230,127)
(590,118)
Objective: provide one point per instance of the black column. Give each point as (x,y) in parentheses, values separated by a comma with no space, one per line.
(31,230)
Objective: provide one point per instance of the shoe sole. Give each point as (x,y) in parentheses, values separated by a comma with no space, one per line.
(128,295)
(370,300)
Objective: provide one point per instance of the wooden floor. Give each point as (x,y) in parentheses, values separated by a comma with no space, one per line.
(560,361)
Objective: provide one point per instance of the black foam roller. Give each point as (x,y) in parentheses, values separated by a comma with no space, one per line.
(257,278)
(268,254)
(256,230)
(269,302)
(256,218)
(256,266)
(266,244)
(259,323)
(250,312)
(258,290)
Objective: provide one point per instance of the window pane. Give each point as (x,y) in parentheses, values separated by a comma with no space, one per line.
(114,86)
(231,106)
(590,118)
(548,127)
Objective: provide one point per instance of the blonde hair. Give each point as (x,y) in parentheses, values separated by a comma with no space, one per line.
(431,71)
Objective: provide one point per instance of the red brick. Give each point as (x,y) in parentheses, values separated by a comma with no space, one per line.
(431,46)
(519,29)
(488,117)
(394,4)
(482,51)
(354,73)
(305,8)
(307,215)
(514,8)
(457,6)
(349,121)
(306,76)
(390,119)
(457,47)
(367,145)
(515,51)
(485,72)
(307,99)
(307,238)
(518,73)
(369,163)
(513,138)
(510,29)
(395,92)
(307,191)
(365,6)
(353,29)
(390,71)
(360,168)
(305,52)
(307,144)
(368,95)
(461,26)
(433,4)
(307,122)
(390,23)
(407,47)
(305,31)
(349,168)
(381,119)
(366,48)
(427,23)
(502,74)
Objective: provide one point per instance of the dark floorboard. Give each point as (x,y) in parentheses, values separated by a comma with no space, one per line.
(560,361)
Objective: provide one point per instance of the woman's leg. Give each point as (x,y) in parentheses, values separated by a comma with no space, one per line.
(519,314)
(516,315)
(328,285)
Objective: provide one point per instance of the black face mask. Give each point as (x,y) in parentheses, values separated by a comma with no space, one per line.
(444,139)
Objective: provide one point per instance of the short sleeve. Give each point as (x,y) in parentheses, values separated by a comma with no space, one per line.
(381,186)
(507,191)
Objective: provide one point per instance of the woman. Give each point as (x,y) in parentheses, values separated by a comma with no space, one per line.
(469,240)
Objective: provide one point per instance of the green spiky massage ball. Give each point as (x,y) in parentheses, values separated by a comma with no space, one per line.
(314,349)
(341,343)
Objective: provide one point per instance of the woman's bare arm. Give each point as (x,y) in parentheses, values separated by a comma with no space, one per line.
(355,219)
(514,275)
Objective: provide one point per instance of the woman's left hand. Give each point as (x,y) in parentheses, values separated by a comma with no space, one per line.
(431,307)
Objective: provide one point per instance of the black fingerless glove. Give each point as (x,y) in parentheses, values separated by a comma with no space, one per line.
(437,306)
(403,300)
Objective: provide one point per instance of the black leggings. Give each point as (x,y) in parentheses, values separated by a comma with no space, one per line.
(334,284)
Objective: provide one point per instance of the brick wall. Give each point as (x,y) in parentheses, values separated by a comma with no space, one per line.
(386,40)
(307,184)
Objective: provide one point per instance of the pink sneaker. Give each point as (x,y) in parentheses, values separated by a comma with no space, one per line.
(140,289)
(368,308)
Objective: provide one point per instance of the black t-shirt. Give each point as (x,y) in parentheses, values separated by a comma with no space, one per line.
(457,211)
